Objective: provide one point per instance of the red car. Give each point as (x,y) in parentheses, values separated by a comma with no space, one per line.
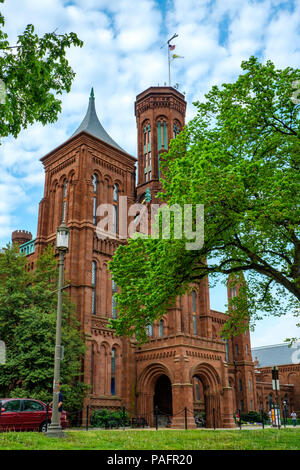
(18,414)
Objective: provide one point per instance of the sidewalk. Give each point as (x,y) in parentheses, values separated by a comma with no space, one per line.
(245,427)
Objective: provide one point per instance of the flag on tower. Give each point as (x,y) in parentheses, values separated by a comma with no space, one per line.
(171,47)
(175,56)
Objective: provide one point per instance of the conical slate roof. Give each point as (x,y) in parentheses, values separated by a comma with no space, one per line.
(92,125)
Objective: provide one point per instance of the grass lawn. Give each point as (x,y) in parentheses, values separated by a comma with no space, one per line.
(267,439)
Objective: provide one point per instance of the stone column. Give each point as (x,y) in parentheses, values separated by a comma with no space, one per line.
(182,396)
(227,400)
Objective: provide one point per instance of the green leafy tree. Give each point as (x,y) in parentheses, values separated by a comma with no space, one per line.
(240,158)
(28,302)
(34,72)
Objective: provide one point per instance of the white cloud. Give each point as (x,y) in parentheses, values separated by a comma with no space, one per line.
(275,330)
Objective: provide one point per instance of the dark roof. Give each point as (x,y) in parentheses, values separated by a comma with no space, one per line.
(92,125)
(276,355)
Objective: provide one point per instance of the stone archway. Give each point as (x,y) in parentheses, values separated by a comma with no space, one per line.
(211,390)
(150,391)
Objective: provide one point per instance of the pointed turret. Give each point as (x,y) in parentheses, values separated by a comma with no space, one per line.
(92,125)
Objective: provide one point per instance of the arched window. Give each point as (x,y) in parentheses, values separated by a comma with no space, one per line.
(116,193)
(95,199)
(64,201)
(176,128)
(113,372)
(95,183)
(114,312)
(249,383)
(162,142)
(161,328)
(240,385)
(115,207)
(162,134)
(94,281)
(149,330)
(147,152)
(194,298)
(232,292)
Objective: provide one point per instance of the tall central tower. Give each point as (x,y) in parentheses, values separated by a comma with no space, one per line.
(160,116)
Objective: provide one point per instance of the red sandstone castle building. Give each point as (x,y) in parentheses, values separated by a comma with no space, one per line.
(185,363)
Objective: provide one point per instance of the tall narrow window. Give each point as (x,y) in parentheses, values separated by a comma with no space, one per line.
(233,292)
(95,188)
(64,201)
(194,324)
(240,385)
(147,152)
(113,372)
(149,330)
(115,207)
(194,297)
(176,129)
(94,279)
(249,383)
(161,328)
(162,143)
(114,312)
(236,350)
(226,350)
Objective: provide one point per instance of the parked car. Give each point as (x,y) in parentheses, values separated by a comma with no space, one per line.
(18,414)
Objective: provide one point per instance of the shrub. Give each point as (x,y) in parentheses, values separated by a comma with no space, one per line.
(105,418)
(290,421)
(254,417)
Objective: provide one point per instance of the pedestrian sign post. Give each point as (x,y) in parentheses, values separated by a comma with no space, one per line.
(275,416)
(276,387)
(275,379)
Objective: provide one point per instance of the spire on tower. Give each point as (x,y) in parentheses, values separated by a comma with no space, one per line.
(92,125)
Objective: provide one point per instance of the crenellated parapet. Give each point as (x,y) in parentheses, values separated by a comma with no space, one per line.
(21,236)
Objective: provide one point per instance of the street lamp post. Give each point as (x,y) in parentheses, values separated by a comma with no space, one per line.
(62,245)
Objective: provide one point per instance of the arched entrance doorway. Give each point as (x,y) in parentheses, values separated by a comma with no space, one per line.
(199,402)
(163,399)
(154,389)
(206,382)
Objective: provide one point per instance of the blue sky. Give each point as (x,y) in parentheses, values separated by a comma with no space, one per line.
(121,57)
